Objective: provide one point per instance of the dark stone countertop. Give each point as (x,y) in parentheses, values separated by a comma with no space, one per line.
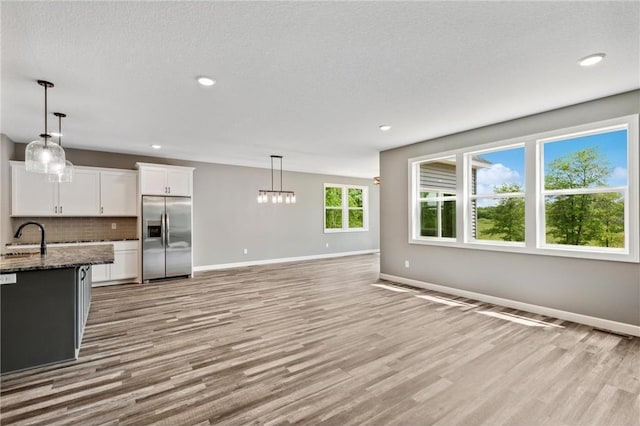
(69,242)
(57,257)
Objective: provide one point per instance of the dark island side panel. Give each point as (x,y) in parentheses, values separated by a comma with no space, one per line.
(38,319)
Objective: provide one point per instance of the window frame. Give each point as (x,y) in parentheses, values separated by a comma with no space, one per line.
(468,163)
(535,237)
(345,208)
(439,200)
(543,192)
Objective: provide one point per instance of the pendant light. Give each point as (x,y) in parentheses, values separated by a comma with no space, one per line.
(43,156)
(66,175)
(277,196)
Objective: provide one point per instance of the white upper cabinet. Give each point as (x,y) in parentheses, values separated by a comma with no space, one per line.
(153,181)
(81,196)
(156,179)
(92,192)
(31,193)
(118,190)
(179,181)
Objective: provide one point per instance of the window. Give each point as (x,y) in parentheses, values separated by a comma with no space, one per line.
(345,208)
(437,198)
(497,194)
(571,192)
(585,189)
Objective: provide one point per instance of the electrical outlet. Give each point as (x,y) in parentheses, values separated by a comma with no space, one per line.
(406,263)
(8,279)
(114,225)
(246,251)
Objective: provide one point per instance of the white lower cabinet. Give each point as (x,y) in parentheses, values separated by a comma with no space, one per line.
(100,273)
(123,269)
(124,266)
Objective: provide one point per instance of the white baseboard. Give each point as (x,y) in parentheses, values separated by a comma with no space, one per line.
(280,260)
(115,282)
(618,327)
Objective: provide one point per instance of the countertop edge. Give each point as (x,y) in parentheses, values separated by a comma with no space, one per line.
(59,258)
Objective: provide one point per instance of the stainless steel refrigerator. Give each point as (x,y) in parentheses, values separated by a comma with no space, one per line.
(166,237)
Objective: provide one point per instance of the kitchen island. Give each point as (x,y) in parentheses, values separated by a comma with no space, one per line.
(45,302)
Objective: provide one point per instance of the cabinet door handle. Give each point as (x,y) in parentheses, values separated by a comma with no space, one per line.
(169,190)
(60,209)
(101,210)
(55,209)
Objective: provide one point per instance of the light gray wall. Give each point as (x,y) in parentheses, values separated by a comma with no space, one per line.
(228,219)
(603,289)
(6,152)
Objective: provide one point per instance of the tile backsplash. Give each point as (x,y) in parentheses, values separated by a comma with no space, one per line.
(68,229)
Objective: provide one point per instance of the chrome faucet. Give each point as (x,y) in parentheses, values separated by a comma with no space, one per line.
(43,243)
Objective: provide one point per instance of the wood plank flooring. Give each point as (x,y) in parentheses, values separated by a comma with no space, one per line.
(316,343)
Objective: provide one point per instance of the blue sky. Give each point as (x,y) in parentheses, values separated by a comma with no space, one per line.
(508,165)
(613,145)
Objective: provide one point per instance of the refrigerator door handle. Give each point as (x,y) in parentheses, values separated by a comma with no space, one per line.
(163,229)
(168,232)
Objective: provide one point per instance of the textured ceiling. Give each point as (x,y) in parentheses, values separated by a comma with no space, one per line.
(309,80)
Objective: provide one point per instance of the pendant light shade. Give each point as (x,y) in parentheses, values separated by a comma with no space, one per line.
(43,156)
(66,175)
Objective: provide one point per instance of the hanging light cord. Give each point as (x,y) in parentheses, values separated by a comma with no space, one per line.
(46,86)
(280,157)
(60,117)
(46,130)
(280,174)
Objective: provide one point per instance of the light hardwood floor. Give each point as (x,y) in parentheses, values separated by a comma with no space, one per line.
(316,343)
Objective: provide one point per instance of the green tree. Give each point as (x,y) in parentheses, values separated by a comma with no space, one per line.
(355,197)
(572,219)
(508,215)
(608,219)
(333,211)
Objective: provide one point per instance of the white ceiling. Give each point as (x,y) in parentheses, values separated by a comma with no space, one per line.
(308,80)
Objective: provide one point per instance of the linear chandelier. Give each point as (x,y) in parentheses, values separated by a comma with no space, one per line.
(277,196)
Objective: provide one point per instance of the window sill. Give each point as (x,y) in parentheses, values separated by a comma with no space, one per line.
(613,255)
(333,231)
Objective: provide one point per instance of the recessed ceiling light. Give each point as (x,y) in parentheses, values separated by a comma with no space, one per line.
(384,127)
(156,146)
(206,81)
(591,59)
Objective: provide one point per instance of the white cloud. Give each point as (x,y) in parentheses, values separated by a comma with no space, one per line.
(487,202)
(495,176)
(619,173)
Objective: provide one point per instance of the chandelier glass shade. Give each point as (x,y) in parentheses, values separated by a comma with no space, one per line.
(276,196)
(43,156)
